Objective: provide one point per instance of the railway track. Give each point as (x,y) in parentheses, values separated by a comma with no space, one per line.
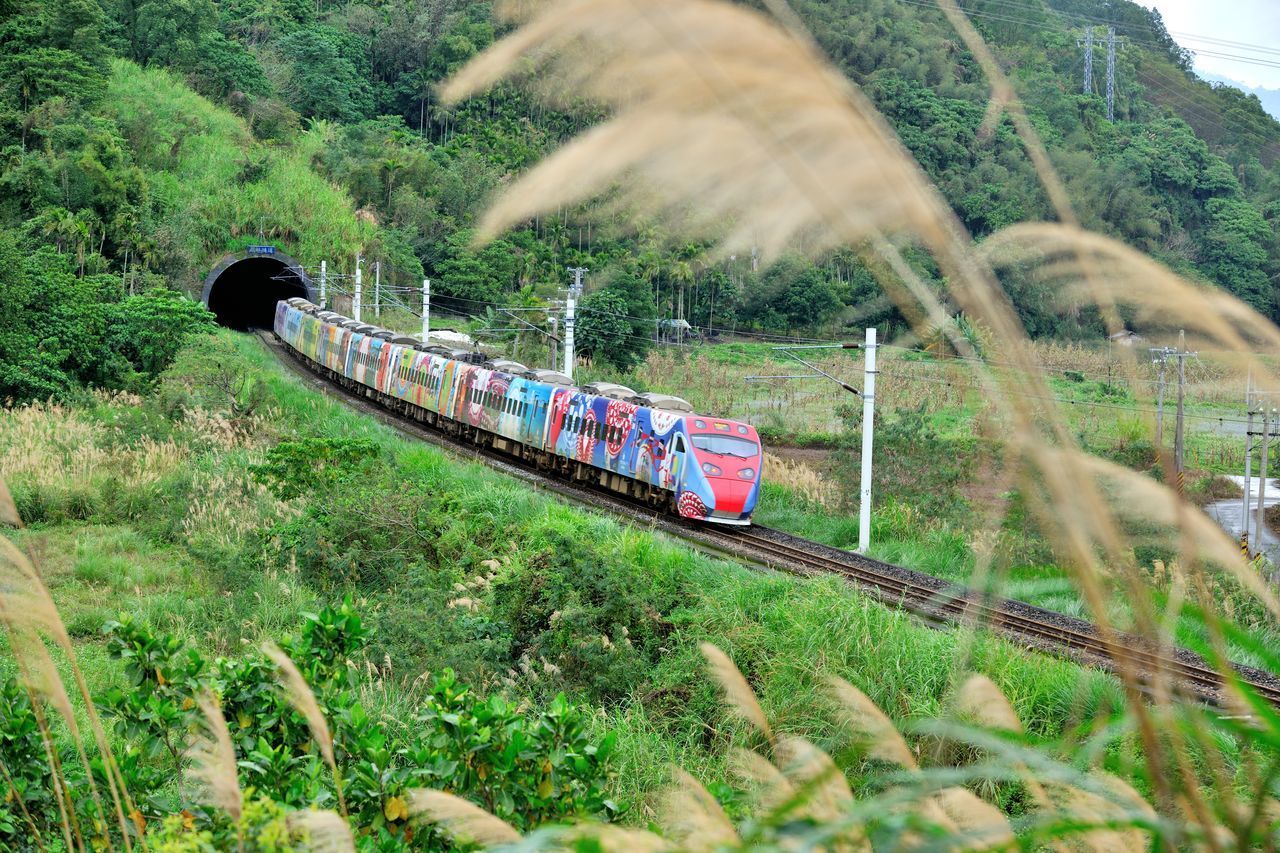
(935,600)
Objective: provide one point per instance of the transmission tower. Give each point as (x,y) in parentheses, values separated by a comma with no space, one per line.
(1111,73)
(1088,60)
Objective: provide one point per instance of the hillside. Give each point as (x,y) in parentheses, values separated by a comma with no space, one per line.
(310,112)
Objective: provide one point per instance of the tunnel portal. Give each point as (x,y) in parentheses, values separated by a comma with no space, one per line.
(243,289)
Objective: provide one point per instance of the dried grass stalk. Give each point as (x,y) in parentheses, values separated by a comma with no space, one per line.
(213,759)
(696,88)
(8,509)
(304,702)
(28,614)
(827,794)
(1088,807)
(986,825)
(461,818)
(694,819)
(325,831)
(874,731)
(982,702)
(739,694)
(1159,299)
(769,785)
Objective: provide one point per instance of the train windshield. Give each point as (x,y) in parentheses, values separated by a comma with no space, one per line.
(726,445)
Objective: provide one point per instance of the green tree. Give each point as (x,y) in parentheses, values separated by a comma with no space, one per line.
(328,74)
(1234,252)
(172,32)
(477,276)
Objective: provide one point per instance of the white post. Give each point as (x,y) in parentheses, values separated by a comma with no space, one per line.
(324,292)
(355,300)
(377,288)
(1261,524)
(1248,477)
(568,339)
(426,310)
(868,433)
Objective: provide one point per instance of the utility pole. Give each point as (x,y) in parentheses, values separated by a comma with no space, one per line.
(426,311)
(1267,418)
(868,435)
(324,293)
(555,351)
(1160,356)
(1178,443)
(868,395)
(1248,462)
(568,337)
(355,300)
(377,288)
(576,289)
(1088,60)
(1111,73)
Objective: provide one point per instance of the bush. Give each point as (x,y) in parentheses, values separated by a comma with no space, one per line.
(595,616)
(529,767)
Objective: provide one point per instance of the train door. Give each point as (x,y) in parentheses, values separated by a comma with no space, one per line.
(677,462)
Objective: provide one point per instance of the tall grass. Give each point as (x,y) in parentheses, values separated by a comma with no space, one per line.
(728,123)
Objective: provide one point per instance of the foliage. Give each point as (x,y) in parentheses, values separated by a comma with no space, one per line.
(597,620)
(914,463)
(296,468)
(528,767)
(58,330)
(609,329)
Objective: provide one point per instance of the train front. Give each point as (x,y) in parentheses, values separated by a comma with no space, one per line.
(727,467)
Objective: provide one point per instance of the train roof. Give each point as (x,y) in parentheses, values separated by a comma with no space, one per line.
(550,377)
(609,390)
(666,402)
(612,390)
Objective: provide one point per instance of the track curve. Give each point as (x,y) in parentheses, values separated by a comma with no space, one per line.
(1160,669)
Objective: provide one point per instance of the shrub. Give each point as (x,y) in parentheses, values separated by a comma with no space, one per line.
(527,766)
(595,616)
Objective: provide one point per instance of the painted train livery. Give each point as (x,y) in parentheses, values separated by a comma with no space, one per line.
(695,466)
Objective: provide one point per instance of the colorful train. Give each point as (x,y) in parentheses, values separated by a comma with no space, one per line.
(649,447)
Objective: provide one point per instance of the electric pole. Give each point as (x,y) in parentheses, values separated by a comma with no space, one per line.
(1267,418)
(1178,439)
(355,300)
(1111,73)
(377,288)
(576,289)
(1160,356)
(568,337)
(1088,60)
(868,437)
(324,293)
(1248,463)
(426,311)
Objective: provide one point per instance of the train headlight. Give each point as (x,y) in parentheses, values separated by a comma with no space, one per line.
(713,470)
(747,473)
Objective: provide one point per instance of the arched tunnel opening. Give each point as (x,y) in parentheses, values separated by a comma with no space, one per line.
(243,289)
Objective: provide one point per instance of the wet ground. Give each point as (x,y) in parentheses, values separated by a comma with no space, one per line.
(1228,513)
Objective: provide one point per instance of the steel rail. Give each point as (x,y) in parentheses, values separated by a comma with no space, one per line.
(933,599)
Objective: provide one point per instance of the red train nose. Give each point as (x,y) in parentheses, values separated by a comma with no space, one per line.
(731,495)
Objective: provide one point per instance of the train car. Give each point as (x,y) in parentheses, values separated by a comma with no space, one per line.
(649,447)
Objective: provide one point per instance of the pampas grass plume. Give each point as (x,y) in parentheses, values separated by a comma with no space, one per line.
(461,818)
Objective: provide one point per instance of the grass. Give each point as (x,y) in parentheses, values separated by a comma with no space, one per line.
(208,556)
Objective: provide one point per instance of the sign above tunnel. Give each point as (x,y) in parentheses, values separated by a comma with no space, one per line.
(262,250)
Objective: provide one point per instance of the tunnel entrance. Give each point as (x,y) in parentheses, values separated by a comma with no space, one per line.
(243,289)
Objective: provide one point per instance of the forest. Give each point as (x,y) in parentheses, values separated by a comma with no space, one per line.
(141,140)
